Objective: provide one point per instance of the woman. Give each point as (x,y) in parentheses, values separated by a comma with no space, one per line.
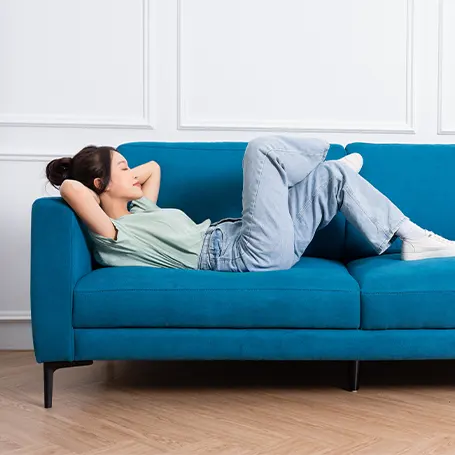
(289,192)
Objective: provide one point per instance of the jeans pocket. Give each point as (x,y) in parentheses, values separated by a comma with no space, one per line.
(225,243)
(216,243)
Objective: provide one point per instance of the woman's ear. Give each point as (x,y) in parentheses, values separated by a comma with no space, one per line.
(97,183)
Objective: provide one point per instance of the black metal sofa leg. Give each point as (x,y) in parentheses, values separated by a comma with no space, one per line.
(354,375)
(48,370)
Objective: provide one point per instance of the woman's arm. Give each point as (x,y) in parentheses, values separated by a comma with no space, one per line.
(68,183)
(144,171)
(149,175)
(85,203)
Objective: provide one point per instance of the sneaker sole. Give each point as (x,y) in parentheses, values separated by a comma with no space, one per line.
(416,256)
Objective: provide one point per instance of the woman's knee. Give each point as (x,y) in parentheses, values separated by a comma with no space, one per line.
(264,143)
(334,169)
(333,166)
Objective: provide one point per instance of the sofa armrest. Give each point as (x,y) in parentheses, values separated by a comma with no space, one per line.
(60,256)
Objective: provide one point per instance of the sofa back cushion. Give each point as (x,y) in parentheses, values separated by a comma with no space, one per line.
(418,178)
(204,179)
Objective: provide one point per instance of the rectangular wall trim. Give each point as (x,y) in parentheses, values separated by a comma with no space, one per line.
(408,127)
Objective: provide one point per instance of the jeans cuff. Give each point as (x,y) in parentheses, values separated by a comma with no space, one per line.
(391,237)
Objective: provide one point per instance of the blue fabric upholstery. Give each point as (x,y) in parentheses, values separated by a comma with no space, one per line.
(417,178)
(60,256)
(398,294)
(315,293)
(263,344)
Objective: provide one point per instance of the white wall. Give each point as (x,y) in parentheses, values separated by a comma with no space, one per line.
(106,72)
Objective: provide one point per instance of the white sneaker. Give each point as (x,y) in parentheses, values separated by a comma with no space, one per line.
(353,160)
(431,245)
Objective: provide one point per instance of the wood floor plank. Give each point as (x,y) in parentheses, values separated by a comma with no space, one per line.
(40,449)
(227,408)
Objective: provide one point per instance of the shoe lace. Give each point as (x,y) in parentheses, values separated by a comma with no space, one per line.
(431,234)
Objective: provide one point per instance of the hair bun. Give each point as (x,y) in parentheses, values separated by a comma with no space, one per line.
(58,170)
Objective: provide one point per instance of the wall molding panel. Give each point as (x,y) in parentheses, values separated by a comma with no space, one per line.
(27,157)
(148,77)
(441,50)
(15,316)
(406,127)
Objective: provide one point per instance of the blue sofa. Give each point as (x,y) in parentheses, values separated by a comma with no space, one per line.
(340,302)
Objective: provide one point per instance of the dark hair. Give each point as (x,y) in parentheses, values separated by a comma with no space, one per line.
(90,163)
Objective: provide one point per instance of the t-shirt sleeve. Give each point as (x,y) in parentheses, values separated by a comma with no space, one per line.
(100,239)
(143,204)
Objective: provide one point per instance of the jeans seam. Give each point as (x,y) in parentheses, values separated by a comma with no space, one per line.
(270,147)
(257,190)
(240,255)
(220,257)
(296,151)
(349,190)
(310,199)
(229,259)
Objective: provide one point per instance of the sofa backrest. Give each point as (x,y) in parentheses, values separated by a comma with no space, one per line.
(204,179)
(417,178)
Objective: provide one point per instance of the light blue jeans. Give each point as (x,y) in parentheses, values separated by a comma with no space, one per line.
(289,193)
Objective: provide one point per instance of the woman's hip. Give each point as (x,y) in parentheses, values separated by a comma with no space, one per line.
(221,250)
(226,249)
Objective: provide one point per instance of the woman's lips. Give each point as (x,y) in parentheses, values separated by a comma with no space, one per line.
(137,184)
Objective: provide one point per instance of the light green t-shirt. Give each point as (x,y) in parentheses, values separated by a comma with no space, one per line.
(152,236)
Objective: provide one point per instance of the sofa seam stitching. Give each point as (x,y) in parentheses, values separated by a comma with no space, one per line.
(269,289)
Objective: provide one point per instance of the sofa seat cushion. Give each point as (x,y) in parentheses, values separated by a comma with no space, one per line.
(315,293)
(397,294)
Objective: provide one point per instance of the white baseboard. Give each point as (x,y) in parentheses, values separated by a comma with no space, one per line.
(15,330)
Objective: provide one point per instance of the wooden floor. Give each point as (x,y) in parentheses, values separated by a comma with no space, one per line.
(227,408)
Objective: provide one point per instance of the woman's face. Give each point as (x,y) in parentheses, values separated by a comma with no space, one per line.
(123,183)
